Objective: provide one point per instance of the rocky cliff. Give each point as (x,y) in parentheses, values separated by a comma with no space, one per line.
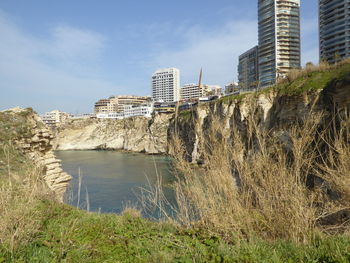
(24,129)
(276,109)
(148,135)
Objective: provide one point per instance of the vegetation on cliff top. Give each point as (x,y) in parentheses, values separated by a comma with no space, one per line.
(13,126)
(312,78)
(308,79)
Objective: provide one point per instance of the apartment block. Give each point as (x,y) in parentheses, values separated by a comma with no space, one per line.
(334,31)
(248,70)
(194,91)
(166,85)
(279,39)
(105,106)
(53,118)
(116,103)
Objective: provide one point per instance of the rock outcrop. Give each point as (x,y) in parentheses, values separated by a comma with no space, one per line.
(35,141)
(272,111)
(139,134)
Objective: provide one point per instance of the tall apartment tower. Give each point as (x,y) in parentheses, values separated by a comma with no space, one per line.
(248,70)
(279,39)
(334,20)
(166,85)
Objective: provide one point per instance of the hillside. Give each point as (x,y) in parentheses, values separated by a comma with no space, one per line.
(272,184)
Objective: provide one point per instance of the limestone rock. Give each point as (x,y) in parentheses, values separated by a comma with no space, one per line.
(38,147)
(139,134)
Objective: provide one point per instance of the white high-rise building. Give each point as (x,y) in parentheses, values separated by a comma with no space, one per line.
(279,39)
(166,85)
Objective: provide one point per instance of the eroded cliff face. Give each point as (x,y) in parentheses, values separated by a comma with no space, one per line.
(148,135)
(272,111)
(34,140)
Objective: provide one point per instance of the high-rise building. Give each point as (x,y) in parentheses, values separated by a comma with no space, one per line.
(279,39)
(248,70)
(166,85)
(334,22)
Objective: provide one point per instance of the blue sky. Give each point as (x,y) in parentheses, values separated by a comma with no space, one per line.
(68,54)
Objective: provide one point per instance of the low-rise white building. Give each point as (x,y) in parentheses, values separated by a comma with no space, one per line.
(53,118)
(129,111)
(138,111)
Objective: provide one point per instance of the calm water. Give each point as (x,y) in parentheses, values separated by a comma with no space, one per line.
(113,180)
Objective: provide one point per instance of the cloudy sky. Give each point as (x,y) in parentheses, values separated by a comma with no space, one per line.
(64,54)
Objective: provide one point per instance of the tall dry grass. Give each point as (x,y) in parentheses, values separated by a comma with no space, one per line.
(334,169)
(254,183)
(21,189)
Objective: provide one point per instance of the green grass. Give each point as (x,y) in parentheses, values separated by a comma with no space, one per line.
(185,115)
(231,98)
(13,126)
(71,235)
(314,81)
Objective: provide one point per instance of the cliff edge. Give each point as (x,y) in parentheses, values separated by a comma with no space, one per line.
(24,130)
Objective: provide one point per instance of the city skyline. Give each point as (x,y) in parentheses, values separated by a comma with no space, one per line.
(68,59)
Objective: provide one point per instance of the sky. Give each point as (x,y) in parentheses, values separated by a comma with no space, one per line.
(64,54)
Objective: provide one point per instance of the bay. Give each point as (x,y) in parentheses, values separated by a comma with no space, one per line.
(111,180)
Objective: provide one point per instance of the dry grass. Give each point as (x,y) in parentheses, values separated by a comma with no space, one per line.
(334,168)
(132,212)
(21,188)
(255,184)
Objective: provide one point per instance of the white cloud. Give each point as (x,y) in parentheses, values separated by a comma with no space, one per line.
(55,71)
(217,51)
(69,42)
